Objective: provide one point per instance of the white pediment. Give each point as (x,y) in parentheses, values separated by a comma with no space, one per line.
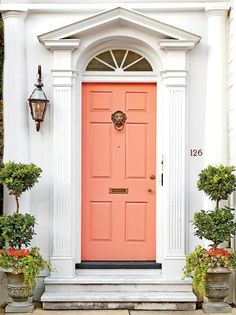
(71,34)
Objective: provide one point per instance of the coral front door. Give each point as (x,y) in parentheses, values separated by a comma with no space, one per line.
(118,208)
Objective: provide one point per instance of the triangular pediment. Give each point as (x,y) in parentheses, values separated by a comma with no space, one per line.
(72,33)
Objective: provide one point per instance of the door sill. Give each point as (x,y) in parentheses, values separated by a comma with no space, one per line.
(118,265)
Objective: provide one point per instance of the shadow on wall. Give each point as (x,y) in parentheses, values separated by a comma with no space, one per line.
(3,289)
(231,297)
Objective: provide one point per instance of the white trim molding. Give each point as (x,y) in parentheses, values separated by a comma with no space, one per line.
(62,44)
(168,44)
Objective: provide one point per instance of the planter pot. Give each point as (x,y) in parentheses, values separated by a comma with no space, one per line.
(217,289)
(20,293)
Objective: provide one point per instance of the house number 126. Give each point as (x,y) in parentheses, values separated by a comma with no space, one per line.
(196,152)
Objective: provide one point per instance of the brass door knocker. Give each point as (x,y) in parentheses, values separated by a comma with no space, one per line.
(118,118)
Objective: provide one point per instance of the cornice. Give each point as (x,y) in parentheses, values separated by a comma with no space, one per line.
(64,44)
(217,7)
(14,14)
(94,8)
(176,44)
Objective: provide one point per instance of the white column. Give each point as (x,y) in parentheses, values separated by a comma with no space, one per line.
(175,171)
(63,253)
(16,130)
(175,174)
(216,103)
(16,137)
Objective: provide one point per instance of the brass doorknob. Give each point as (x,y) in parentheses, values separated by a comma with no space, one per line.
(149,190)
(152,177)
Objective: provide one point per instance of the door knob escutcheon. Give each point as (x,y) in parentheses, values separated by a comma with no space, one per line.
(152,177)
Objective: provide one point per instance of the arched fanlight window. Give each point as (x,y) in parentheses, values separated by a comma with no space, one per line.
(119,60)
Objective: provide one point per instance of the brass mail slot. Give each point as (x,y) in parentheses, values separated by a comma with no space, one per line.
(118,190)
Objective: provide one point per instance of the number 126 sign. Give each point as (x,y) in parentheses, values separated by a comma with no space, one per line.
(196,152)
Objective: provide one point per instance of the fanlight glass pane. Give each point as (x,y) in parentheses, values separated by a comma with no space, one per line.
(107,57)
(96,65)
(142,65)
(124,59)
(119,55)
(131,57)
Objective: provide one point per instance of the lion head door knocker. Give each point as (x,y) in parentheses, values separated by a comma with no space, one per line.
(118,118)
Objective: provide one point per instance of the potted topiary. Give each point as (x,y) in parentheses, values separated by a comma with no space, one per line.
(211,268)
(21,264)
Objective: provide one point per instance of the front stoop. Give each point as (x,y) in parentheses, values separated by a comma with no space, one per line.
(105,290)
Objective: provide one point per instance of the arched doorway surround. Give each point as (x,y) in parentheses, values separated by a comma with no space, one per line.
(72,47)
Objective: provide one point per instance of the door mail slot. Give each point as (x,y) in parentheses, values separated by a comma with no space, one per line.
(118,190)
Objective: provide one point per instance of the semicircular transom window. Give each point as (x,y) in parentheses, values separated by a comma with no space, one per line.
(119,60)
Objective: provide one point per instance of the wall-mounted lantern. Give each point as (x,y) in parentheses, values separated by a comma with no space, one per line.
(38,101)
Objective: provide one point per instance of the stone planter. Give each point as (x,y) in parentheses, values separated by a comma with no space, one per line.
(20,293)
(217,289)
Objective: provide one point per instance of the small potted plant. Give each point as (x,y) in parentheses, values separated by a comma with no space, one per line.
(20,263)
(211,268)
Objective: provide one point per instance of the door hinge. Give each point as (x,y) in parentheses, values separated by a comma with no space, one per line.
(162,171)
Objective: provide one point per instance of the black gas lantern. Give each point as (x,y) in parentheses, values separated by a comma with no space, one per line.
(38,101)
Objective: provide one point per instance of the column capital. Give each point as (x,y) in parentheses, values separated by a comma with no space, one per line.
(175,78)
(63,77)
(14,14)
(220,9)
(60,44)
(174,44)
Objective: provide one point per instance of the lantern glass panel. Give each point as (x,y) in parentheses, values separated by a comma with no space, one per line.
(38,108)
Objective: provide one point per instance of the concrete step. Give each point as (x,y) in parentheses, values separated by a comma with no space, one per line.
(111,283)
(118,297)
(117,289)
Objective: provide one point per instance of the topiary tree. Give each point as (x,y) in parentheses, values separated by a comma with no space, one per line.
(217,226)
(218,182)
(17,230)
(19,178)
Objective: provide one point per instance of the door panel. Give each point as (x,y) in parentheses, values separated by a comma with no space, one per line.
(118,226)
(136,151)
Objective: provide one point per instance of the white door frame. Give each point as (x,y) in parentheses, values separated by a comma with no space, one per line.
(126,77)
